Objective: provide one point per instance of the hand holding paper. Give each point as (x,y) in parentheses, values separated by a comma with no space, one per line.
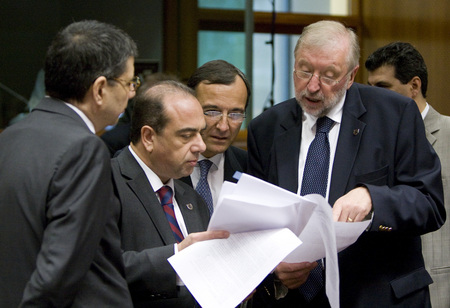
(268,225)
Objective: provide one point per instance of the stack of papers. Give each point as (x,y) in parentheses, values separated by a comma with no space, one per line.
(268,225)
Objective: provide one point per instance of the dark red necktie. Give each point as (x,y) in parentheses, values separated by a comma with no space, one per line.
(165,195)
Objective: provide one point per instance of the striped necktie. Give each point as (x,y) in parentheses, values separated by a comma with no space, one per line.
(165,195)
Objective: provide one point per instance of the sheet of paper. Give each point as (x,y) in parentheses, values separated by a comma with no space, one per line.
(324,238)
(243,214)
(253,204)
(251,207)
(313,243)
(261,190)
(348,233)
(222,273)
(320,221)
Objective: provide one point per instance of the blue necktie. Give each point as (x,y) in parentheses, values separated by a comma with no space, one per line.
(166,195)
(203,186)
(315,181)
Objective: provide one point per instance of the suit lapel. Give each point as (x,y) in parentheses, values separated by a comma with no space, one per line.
(141,187)
(431,122)
(231,165)
(189,210)
(187,180)
(350,135)
(287,149)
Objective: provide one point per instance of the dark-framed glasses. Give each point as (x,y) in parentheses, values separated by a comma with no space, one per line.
(131,85)
(307,76)
(214,115)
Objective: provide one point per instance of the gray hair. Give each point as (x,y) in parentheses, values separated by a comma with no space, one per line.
(325,33)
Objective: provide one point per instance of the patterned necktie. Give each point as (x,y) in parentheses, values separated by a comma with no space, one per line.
(203,186)
(315,181)
(166,195)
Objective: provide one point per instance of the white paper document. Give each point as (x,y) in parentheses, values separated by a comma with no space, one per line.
(268,225)
(222,273)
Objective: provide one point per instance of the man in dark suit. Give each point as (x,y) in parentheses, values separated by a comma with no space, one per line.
(60,242)
(381,167)
(165,145)
(223,91)
(400,67)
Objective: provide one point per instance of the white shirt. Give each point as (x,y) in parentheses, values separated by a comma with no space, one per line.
(215,175)
(308,134)
(425,111)
(86,120)
(156,183)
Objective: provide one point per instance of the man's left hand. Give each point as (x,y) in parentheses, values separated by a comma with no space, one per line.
(353,206)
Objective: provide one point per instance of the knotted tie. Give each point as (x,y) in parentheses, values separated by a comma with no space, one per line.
(166,195)
(315,181)
(203,186)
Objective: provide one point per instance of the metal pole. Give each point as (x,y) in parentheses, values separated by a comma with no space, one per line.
(249,29)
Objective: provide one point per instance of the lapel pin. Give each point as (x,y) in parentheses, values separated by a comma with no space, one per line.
(356,131)
(190,206)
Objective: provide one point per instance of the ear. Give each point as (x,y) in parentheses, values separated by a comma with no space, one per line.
(352,76)
(98,89)
(148,135)
(416,86)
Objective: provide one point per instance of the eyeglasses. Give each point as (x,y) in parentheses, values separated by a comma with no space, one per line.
(306,76)
(236,117)
(131,85)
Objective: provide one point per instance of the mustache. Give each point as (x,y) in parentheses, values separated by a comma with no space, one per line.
(315,96)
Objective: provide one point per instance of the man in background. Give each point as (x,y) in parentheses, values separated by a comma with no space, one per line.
(60,243)
(224,92)
(160,214)
(118,137)
(400,67)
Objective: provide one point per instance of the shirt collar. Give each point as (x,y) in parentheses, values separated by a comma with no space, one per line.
(154,180)
(215,159)
(85,119)
(425,111)
(334,114)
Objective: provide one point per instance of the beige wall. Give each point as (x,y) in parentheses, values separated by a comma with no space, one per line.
(426,25)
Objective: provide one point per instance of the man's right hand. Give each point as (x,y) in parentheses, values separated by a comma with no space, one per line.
(202,236)
(293,275)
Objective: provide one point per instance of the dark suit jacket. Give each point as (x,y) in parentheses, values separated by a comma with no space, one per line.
(118,137)
(381,145)
(60,243)
(147,240)
(235,160)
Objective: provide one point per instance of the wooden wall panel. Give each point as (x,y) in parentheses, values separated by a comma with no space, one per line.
(426,25)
